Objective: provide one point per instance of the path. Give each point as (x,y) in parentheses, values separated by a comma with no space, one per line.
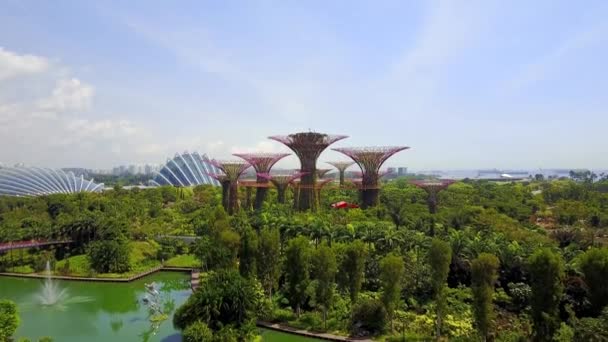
(7,246)
(305,333)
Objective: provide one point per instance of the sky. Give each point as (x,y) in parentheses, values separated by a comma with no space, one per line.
(466,84)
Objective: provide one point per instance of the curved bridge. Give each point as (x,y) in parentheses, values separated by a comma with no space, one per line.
(7,246)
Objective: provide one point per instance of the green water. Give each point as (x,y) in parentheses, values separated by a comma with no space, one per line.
(113,312)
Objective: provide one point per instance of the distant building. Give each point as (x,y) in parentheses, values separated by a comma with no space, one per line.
(402,171)
(187,169)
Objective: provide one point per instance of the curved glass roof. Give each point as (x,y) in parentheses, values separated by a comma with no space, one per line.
(186,169)
(34,181)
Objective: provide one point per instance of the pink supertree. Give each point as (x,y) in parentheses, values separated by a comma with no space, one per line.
(432,188)
(341,166)
(233,170)
(308,146)
(262,163)
(370,159)
(225,183)
(281,182)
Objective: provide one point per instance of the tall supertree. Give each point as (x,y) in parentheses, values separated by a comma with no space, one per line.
(432,188)
(308,146)
(370,159)
(233,170)
(281,182)
(341,166)
(262,163)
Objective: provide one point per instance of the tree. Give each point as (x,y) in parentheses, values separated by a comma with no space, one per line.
(297,271)
(224,298)
(324,270)
(109,256)
(197,332)
(368,318)
(484,275)
(547,272)
(594,265)
(269,266)
(352,268)
(440,256)
(9,319)
(248,253)
(392,270)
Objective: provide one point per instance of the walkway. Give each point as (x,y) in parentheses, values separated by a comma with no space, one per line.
(7,246)
(305,333)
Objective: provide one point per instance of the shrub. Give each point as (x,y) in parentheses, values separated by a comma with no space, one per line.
(9,319)
(369,318)
(197,332)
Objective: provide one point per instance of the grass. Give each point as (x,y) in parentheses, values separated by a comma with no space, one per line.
(185,260)
(26,269)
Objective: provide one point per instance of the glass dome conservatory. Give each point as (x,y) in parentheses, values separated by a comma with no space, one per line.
(186,169)
(34,181)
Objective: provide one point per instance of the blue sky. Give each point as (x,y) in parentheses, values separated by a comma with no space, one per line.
(466,84)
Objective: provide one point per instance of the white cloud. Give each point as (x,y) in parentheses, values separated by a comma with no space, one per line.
(13,64)
(69,95)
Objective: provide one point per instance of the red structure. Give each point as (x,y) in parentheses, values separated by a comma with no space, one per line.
(433,187)
(308,146)
(233,170)
(341,166)
(262,163)
(370,159)
(281,182)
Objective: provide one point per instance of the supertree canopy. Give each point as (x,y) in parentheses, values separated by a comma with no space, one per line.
(308,146)
(370,159)
(281,182)
(341,166)
(232,170)
(433,187)
(262,163)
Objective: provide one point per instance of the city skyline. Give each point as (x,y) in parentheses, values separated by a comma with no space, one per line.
(484,84)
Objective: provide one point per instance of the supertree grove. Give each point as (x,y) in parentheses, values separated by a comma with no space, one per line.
(262,163)
(232,170)
(341,166)
(370,159)
(307,146)
(322,172)
(281,182)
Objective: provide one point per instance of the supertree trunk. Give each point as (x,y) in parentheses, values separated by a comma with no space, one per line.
(281,194)
(225,194)
(296,196)
(369,198)
(233,203)
(306,195)
(260,194)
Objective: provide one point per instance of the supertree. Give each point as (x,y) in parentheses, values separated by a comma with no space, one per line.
(281,182)
(308,146)
(370,159)
(233,170)
(432,188)
(262,163)
(322,172)
(341,166)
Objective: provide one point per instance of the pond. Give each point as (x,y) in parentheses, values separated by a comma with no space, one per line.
(89,311)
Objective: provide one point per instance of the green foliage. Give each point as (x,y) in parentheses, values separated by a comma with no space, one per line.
(268,259)
(594,266)
(9,319)
(186,260)
(297,271)
(440,256)
(592,329)
(109,256)
(483,272)
(369,318)
(547,272)
(197,332)
(223,298)
(391,275)
(324,271)
(352,268)
(248,252)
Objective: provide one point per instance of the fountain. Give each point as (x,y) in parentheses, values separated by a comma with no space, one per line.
(52,295)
